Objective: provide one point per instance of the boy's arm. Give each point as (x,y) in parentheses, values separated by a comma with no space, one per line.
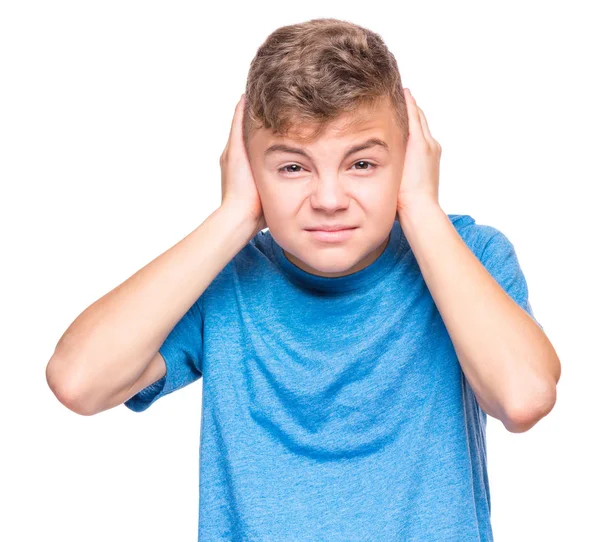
(507,359)
(111,349)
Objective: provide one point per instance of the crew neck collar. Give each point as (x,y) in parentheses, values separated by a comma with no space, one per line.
(353,281)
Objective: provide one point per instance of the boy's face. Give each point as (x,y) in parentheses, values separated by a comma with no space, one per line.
(325,186)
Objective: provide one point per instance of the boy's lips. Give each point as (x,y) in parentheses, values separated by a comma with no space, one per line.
(332,236)
(331,227)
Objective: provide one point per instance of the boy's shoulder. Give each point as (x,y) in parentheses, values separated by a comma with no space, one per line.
(257,253)
(460,220)
(476,236)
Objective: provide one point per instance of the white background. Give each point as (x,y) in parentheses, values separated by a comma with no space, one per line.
(113,116)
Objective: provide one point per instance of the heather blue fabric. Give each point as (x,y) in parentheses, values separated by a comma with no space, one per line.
(335,409)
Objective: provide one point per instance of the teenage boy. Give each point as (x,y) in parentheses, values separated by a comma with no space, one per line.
(349,359)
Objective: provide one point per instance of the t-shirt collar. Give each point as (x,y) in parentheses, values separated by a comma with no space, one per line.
(353,281)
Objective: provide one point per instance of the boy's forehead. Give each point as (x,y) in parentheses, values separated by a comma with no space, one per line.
(348,130)
(345,125)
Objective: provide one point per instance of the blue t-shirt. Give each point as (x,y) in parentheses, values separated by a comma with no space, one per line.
(335,409)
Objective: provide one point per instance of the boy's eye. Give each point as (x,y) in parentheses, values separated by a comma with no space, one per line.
(363,167)
(285,170)
(364,163)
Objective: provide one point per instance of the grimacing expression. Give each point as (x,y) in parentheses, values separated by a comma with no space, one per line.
(304,185)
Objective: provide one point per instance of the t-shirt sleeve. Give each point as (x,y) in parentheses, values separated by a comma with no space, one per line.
(499,257)
(182,352)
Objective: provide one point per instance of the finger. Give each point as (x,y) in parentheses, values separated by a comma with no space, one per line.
(425,126)
(238,115)
(414,120)
(235,130)
(237,118)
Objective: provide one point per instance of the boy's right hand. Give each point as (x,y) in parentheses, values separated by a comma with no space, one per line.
(238,187)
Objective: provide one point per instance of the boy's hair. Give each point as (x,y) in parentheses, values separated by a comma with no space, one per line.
(309,73)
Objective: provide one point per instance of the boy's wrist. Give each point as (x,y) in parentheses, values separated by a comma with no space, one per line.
(241,216)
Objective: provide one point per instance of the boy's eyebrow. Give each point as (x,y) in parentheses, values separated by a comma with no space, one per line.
(372,142)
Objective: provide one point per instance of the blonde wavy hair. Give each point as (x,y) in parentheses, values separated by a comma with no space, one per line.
(305,75)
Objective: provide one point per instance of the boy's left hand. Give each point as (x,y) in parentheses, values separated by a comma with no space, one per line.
(421,171)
